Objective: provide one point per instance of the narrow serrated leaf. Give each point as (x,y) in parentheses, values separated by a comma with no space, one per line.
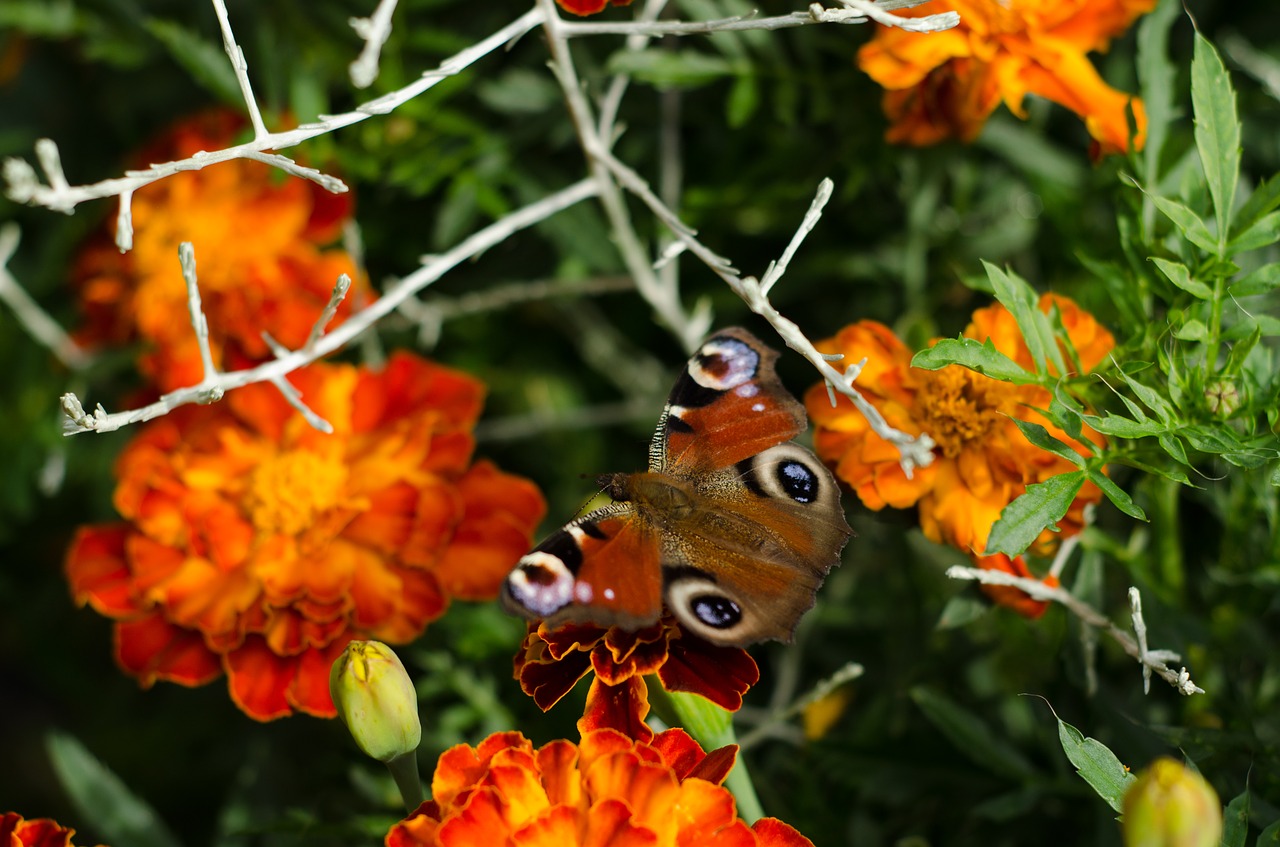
(1188,223)
(666,69)
(1240,352)
(971,735)
(1235,821)
(1177,273)
(1043,505)
(1017,295)
(1150,398)
(1117,495)
(1172,473)
(1096,764)
(1217,129)
(1066,418)
(1261,233)
(205,61)
(1173,446)
(1122,427)
(1191,330)
(1264,198)
(102,799)
(1257,281)
(982,357)
(1040,437)
(1270,836)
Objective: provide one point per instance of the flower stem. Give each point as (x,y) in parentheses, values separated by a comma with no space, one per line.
(1166,535)
(712,727)
(404,770)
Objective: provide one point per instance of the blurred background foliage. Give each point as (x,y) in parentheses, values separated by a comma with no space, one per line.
(762,118)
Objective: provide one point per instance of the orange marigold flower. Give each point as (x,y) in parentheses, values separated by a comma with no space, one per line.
(607,791)
(259,244)
(589,7)
(257,546)
(946,84)
(982,461)
(42,832)
(1007,595)
(551,661)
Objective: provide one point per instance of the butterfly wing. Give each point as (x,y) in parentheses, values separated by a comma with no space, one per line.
(727,406)
(605,567)
(751,557)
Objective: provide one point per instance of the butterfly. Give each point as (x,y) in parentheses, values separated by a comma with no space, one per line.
(733,527)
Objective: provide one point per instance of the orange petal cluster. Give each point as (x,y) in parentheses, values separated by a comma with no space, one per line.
(260,252)
(946,84)
(551,661)
(607,791)
(41,832)
(255,545)
(982,462)
(589,7)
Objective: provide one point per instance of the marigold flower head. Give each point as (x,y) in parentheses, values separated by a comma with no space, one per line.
(257,546)
(941,85)
(41,832)
(589,7)
(982,461)
(260,251)
(551,661)
(607,791)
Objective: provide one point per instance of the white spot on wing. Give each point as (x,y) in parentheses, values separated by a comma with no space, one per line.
(736,364)
(758,407)
(541,583)
(608,594)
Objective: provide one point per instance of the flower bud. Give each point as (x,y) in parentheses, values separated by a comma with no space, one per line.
(1222,397)
(376,700)
(1171,805)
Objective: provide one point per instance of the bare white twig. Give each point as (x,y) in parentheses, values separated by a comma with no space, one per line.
(286,362)
(815,14)
(23,185)
(877,13)
(30,316)
(340,289)
(199,323)
(374,30)
(241,68)
(1151,660)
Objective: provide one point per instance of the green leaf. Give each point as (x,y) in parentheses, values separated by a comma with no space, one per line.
(1152,399)
(744,97)
(42,20)
(971,735)
(979,356)
(1096,763)
(1257,281)
(1122,427)
(1270,836)
(1172,473)
(1173,446)
(1188,223)
(1235,821)
(1156,76)
(1192,330)
(1117,495)
(1263,232)
(1017,295)
(1181,277)
(118,815)
(206,62)
(1240,352)
(1263,199)
(962,610)
(1217,129)
(666,69)
(1067,417)
(1040,437)
(1043,505)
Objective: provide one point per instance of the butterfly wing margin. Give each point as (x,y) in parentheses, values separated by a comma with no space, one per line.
(604,568)
(727,405)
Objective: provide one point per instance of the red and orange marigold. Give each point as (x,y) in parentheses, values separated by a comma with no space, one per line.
(552,661)
(41,832)
(607,791)
(982,462)
(260,244)
(946,84)
(255,545)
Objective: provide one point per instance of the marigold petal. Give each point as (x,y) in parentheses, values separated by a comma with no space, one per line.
(556,827)
(721,674)
(481,820)
(609,824)
(702,810)
(309,691)
(1068,77)
(716,766)
(649,789)
(678,750)
(410,383)
(523,795)
(548,682)
(97,572)
(462,765)
(41,832)
(1007,595)
(558,764)
(772,832)
(622,707)
(151,648)
(420,829)
(259,680)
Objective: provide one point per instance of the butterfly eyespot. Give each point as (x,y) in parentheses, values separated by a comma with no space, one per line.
(541,585)
(716,610)
(798,481)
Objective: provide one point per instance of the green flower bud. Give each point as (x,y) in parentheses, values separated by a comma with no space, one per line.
(376,700)
(1222,397)
(1171,805)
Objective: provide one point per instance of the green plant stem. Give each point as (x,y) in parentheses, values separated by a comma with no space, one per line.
(712,727)
(404,770)
(1166,535)
(1215,329)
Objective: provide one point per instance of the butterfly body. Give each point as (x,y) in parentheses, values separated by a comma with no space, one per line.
(732,526)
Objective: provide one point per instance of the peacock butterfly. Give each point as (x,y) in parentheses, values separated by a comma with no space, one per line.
(733,526)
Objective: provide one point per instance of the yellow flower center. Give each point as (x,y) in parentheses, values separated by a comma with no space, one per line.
(957,406)
(287,492)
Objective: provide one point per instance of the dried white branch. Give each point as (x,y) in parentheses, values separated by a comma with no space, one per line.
(35,320)
(853,13)
(1151,660)
(199,323)
(101,421)
(241,68)
(23,186)
(340,289)
(291,393)
(374,30)
(769,724)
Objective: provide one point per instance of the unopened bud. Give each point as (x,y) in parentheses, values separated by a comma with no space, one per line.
(1171,805)
(1222,397)
(376,700)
